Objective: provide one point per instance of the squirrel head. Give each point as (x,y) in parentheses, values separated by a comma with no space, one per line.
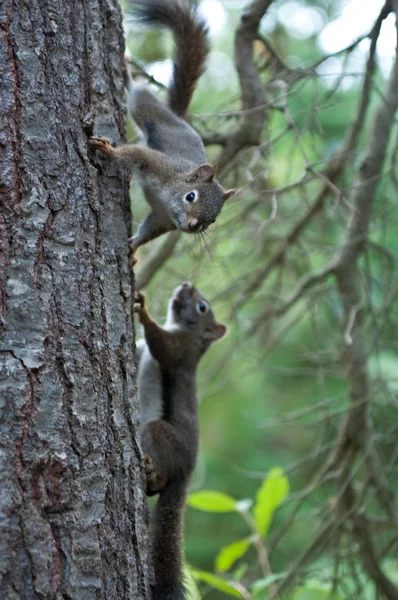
(197,200)
(190,310)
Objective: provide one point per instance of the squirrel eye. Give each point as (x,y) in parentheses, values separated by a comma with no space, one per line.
(191,196)
(202,307)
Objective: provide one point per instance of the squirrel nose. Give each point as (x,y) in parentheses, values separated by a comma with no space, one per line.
(193,225)
(183,292)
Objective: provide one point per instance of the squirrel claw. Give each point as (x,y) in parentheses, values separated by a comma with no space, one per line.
(139,302)
(148,465)
(151,475)
(100,143)
(137,308)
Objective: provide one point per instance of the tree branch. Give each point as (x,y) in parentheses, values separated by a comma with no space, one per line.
(347,271)
(252,88)
(356,435)
(367,551)
(306,283)
(330,174)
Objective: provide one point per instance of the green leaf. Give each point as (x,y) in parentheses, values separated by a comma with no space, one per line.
(217,582)
(229,554)
(271,494)
(212,501)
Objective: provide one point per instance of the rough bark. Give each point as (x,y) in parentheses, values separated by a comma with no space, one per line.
(72,509)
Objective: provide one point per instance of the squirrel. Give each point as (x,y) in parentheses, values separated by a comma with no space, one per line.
(178,183)
(167,361)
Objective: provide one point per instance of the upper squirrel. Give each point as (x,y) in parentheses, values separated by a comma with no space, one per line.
(168,359)
(177,181)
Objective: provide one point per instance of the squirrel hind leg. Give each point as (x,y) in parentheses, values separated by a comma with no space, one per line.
(144,107)
(161,462)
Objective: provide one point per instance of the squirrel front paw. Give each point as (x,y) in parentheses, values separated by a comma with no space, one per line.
(139,302)
(100,143)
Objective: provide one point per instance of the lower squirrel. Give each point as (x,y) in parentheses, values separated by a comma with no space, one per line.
(168,359)
(177,182)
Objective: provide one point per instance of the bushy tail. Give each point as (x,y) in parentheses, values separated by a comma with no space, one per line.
(192,47)
(167,543)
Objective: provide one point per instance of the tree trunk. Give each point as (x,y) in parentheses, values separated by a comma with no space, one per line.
(72,507)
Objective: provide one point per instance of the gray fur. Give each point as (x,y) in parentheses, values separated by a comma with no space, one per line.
(178,183)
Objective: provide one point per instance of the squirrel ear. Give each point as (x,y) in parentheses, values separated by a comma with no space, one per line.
(219,330)
(204,173)
(229,193)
